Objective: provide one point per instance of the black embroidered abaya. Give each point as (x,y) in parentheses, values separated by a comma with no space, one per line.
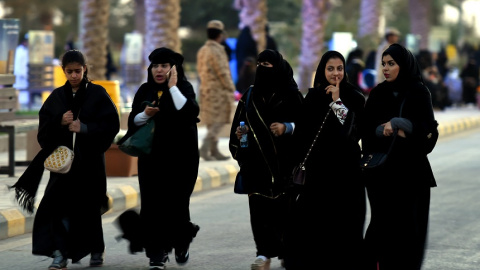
(326,223)
(266,164)
(167,175)
(69,215)
(399,192)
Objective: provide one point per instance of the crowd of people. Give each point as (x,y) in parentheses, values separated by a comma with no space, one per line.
(333,125)
(326,127)
(449,85)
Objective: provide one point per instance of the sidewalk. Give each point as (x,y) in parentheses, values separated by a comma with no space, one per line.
(124,191)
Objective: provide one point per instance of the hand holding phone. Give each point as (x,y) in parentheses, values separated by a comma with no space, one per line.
(172,77)
(169,73)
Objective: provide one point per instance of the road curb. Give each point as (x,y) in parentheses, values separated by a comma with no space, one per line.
(455,126)
(14,221)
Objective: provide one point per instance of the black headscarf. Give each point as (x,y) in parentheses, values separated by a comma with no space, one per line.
(409,68)
(320,79)
(276,78)
(165,55)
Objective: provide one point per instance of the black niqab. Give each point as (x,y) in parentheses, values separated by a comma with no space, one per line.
(276,78)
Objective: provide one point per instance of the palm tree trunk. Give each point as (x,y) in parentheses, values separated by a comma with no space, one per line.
(162,20)
(369,24)
(314,15)
(94,36)
(419,20)
(253,13)
(140,16)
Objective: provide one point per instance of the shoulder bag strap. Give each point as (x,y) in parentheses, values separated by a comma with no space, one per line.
(316,137)
(74,133)
(248,98)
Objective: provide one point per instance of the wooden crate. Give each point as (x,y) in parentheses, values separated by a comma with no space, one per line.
(8,97)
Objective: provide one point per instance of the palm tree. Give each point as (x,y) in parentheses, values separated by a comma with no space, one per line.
(94,35)
(140,16)
(314,15)
(162,19)
(369,24)
(253,13)
(419,20)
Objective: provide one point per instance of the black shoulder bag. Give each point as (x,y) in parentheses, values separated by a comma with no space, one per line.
(377,159)
(298,174)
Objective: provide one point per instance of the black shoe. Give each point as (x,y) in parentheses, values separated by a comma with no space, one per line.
(59,262)
(181,253)
(154,264)
(96,259)
(182,257)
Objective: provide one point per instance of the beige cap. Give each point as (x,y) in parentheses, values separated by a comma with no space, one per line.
(215,24)
(392,31)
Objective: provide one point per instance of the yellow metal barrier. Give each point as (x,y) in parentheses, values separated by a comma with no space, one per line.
(113,89)
(59,78)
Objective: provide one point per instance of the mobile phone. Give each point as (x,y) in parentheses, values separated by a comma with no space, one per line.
(168,73)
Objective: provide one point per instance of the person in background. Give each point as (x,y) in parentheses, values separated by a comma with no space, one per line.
(245,51)
(470,82)
(247,75)
(354,68)
(273,108)
(110,66)
(271,43)
(441,62)
(216,90)
(328,213)
(399,191)
(433,79)
(228,49)
(20,66)
(70,42)
(167,175)
(245,47)
(67,224)
(369,72)
(392,35)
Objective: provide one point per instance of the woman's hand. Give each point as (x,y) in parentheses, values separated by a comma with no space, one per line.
(239,132)
(334,90)
(151,110)
(387,129)
(277,129)
(172,77)
(67,118)
(74,126)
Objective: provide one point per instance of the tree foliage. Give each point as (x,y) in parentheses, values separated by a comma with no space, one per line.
(284,17)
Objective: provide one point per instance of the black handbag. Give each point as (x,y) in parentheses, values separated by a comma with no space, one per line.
(377,159)
(373,160)
(298,175)
(239,187)
(299,172)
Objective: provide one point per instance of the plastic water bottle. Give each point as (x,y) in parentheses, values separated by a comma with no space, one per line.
(244,139)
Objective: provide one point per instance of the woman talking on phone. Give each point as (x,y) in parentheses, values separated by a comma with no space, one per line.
(168,174)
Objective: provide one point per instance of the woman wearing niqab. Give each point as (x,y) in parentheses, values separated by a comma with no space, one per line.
(274,103)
